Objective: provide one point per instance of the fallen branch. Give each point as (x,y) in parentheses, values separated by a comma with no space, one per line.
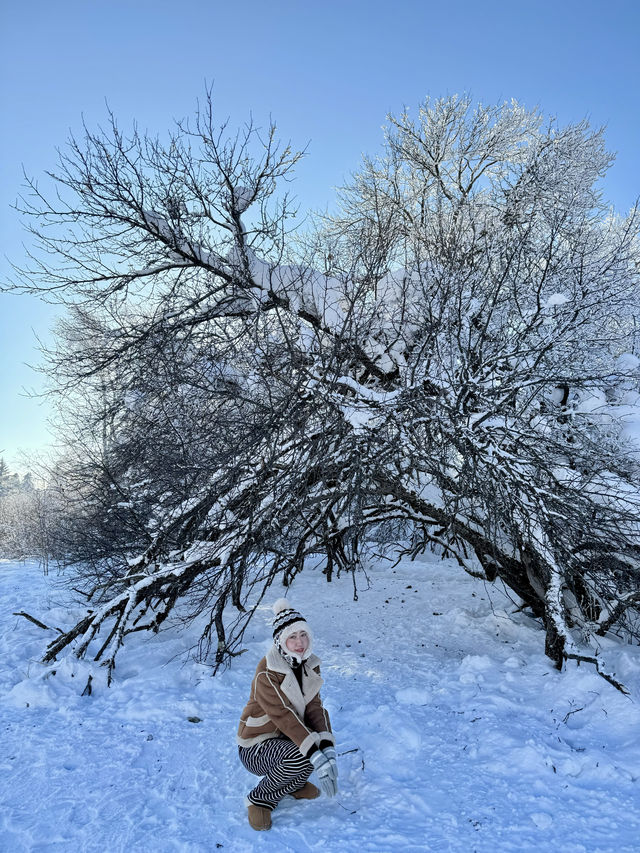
(594,660)
(37,622)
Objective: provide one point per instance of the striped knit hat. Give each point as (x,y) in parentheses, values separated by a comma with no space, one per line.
(286,622)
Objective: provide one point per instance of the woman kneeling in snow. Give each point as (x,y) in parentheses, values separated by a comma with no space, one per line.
(284,731)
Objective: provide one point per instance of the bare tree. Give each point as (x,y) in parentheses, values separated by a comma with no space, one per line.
(429,356)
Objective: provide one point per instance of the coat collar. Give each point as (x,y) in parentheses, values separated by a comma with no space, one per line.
(311,681)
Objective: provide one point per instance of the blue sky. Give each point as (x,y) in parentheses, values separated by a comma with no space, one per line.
(328,73)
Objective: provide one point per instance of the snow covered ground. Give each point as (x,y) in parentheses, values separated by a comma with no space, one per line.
(454,731)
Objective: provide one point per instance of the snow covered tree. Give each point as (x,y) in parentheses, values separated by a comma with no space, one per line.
(8,482)
(26,518)
(447,352)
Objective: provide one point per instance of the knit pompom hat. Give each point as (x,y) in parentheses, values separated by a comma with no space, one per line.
(288,621)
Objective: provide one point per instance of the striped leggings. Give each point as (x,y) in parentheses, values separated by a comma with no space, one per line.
(284,770)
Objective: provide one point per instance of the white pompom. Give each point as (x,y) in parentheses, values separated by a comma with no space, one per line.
(280,605)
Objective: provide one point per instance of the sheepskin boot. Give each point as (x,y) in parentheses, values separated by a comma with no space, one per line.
(307,792)
(259,817)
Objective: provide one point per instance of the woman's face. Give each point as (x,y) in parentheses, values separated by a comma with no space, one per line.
(298,643)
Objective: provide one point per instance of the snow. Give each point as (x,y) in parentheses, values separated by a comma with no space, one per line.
(361,418)
(556,299)
(454,732)
(627,362)
(243,197)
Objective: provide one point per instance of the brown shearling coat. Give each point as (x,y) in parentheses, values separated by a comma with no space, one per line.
(278,706)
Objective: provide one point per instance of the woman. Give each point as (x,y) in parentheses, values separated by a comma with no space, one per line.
(284,731)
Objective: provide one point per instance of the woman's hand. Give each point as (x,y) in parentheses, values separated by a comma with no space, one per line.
(326,767)
(330,752)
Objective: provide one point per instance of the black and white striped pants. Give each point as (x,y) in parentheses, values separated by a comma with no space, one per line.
(284,769)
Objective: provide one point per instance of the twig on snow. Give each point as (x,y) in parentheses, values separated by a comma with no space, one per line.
(37,622)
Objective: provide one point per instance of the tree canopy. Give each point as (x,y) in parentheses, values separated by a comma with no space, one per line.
(448,361)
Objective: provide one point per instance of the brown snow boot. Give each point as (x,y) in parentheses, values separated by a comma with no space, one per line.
(307,792)
(259,817)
